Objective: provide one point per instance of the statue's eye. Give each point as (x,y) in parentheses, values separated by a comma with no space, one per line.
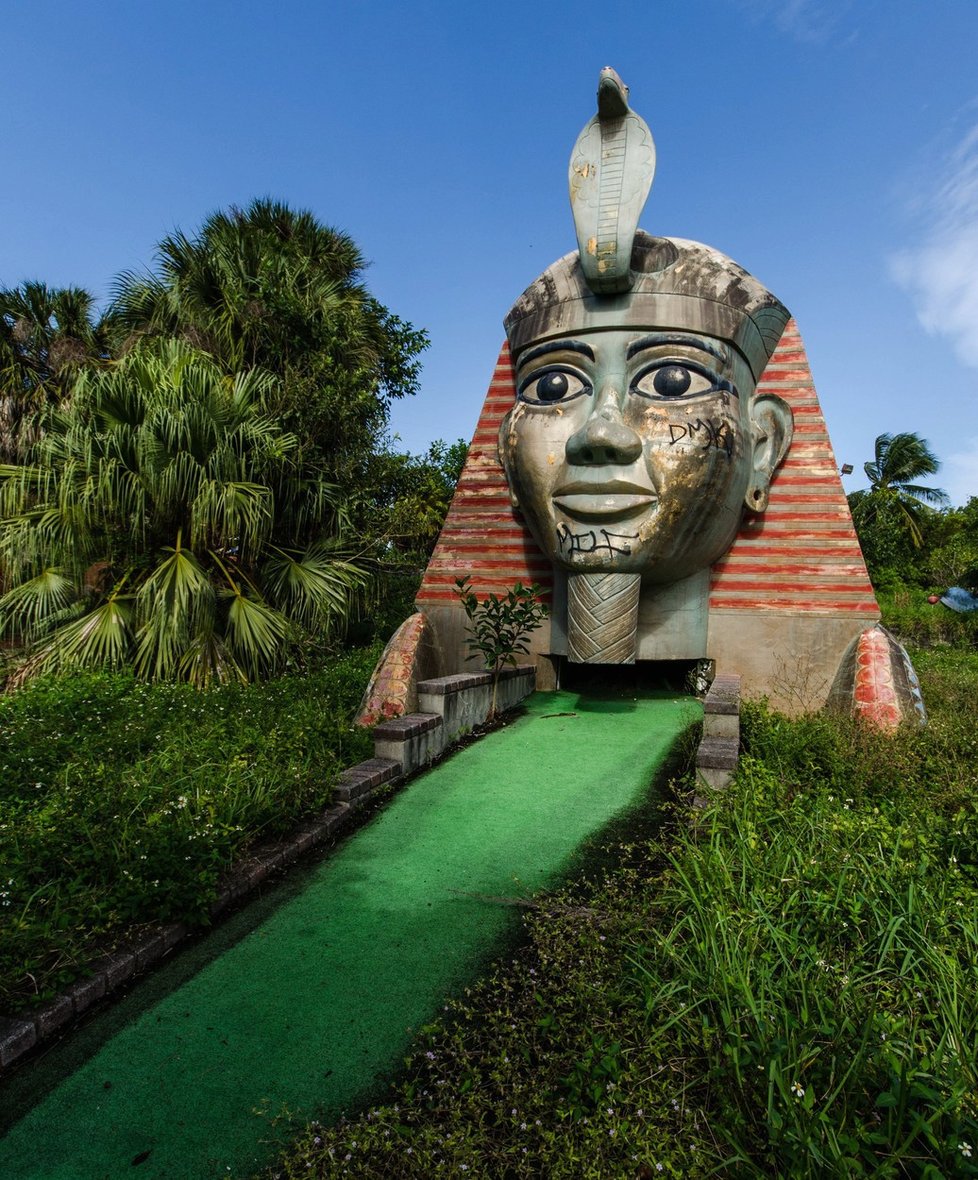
(670,379)
(552,385)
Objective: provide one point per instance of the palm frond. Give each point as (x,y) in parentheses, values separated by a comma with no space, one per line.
(909,512)
(928,495)
(46,536)
(207,659)
(27,610)
(102,638)
(313,586)
(256,634)
(175,604)
(233,514)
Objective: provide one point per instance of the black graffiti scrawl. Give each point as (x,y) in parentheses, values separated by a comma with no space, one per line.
(594,541)
(708,433)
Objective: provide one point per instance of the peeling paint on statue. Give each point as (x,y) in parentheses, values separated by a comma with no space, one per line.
(637,439)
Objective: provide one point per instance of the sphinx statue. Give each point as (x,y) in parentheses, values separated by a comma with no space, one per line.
(638,438)
(651,407)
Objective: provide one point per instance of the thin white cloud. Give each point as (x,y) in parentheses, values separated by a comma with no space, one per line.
(811,21)
(941,273)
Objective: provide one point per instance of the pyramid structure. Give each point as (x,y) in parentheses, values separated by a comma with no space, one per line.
(786,601)
(801,555)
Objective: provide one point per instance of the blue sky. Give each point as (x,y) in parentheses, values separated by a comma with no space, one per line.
(829,146)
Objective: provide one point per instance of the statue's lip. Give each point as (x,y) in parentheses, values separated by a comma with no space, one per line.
(605,500)
(606,487)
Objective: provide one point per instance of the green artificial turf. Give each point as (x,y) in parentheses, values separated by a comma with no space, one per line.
(316,1004)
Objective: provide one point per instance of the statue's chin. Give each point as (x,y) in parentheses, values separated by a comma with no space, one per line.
(603,551)
(601,565)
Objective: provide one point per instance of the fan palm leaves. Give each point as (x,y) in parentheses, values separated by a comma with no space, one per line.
(273,288)
(900,461)
(47,334)
(166,521)
(263,286)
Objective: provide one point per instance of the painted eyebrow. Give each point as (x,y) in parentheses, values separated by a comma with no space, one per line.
(555,346)
(657,339)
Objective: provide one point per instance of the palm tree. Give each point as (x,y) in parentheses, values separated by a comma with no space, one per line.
(901,460)
(168,523)
(252,288)
(47,335)
(273,288)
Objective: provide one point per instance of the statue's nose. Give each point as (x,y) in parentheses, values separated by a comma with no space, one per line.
(604,438)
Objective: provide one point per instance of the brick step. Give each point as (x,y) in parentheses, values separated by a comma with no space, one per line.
(719,749)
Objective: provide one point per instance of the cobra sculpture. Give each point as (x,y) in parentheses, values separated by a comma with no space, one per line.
(611,170)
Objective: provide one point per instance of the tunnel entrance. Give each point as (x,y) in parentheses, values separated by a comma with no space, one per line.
(685,676)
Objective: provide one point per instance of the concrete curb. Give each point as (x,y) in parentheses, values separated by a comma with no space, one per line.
(719,749)
(354,788)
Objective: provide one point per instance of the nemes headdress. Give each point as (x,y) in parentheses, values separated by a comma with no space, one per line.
(622,277)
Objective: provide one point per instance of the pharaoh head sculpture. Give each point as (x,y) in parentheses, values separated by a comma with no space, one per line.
(637,440)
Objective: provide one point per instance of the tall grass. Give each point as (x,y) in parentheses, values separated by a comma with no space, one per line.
(908,614)
(787,988)
(817,972)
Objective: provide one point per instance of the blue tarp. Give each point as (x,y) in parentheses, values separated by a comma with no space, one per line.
(959,599)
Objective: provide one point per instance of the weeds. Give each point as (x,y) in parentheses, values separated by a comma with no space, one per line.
(812,976)
(908,614)
(499,628)
(786,990)
(123,803)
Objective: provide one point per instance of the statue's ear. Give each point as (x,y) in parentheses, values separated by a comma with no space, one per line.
(771,429)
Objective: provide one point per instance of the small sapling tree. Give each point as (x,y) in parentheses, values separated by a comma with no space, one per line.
(500,627)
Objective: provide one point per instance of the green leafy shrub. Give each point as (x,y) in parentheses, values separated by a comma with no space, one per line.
(500,626)
(123,803)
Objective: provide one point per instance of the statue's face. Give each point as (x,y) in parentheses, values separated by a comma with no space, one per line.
(631,450)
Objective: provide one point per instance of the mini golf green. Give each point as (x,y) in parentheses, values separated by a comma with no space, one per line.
(303,1015)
